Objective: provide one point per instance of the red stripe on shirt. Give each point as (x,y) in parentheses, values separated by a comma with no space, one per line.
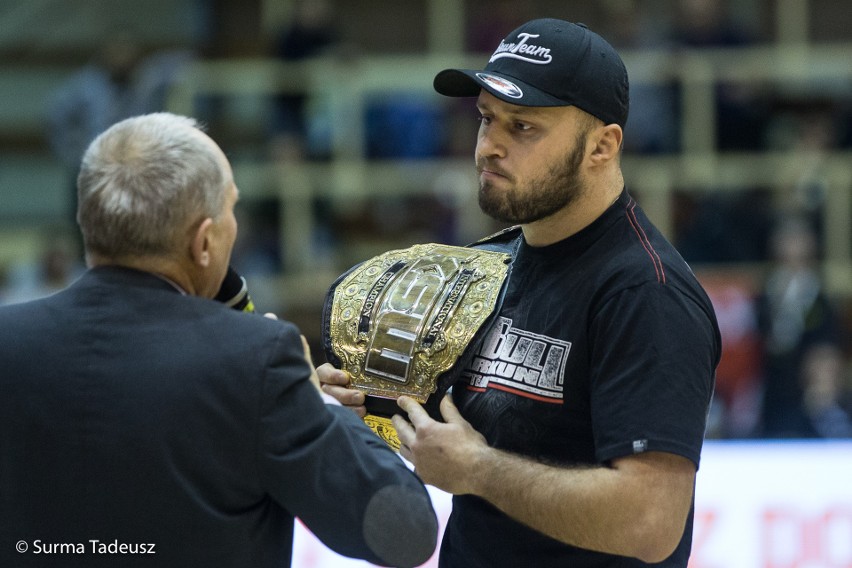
(646,243)
(518,392)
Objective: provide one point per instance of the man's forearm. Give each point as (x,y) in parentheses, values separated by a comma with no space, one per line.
(632,509)
(636,507)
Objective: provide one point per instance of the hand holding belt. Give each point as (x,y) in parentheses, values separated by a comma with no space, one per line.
(400,323)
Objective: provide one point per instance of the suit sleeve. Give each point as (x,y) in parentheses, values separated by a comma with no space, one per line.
(323,465)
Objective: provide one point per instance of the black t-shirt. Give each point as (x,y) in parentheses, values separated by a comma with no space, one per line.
(605,346)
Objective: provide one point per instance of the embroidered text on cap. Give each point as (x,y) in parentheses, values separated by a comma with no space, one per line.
(524,51)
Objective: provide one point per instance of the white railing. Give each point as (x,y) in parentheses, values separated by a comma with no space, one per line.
(345,85)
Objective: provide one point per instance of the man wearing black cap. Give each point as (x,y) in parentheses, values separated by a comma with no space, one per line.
(574,434)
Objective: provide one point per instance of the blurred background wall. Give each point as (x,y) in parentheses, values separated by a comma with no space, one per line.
(739,146)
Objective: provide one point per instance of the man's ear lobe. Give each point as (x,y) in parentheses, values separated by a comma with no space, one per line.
(199,247)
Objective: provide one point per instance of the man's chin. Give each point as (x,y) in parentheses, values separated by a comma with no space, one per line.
(495,211)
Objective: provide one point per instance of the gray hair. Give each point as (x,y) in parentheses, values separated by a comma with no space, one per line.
(144,182)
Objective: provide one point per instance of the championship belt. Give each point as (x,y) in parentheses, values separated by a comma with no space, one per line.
(399,323)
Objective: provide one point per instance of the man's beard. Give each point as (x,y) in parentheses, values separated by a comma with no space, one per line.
(542,197)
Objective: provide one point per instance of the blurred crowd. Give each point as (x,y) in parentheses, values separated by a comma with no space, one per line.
(786,369)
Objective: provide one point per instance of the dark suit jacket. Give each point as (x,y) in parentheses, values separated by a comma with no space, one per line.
(132,414)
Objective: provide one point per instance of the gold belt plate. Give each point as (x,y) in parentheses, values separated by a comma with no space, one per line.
(401,319)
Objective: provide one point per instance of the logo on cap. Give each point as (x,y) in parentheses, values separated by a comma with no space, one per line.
(524,51)
(501,85)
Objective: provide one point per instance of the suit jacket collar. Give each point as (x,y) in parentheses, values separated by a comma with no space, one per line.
(125,277)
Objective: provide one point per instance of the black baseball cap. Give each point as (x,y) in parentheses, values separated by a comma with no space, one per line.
(549,62)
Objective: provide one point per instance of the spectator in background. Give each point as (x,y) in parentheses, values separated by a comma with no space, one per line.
(742,110)
(736,402)
(311,32)
(715,226)
(95,97)
(299,127)
(52,270)
(800,334)
(653,120)
(707,23)
(827,399)
(810,130)
(122,80)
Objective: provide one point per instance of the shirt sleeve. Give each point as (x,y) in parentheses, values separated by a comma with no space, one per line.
(653,366)
(324,465)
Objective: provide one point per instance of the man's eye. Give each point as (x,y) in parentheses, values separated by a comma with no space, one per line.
(522,126)
(484,119)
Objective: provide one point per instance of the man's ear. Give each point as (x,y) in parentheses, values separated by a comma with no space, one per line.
(199,247)
(607,143)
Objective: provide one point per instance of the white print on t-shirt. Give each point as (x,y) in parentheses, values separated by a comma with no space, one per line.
(519,361)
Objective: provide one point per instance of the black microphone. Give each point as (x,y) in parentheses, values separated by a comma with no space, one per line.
(234,292)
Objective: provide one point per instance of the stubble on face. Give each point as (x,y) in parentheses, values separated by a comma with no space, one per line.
(541,196)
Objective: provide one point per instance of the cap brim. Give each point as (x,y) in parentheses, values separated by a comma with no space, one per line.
(469,83)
